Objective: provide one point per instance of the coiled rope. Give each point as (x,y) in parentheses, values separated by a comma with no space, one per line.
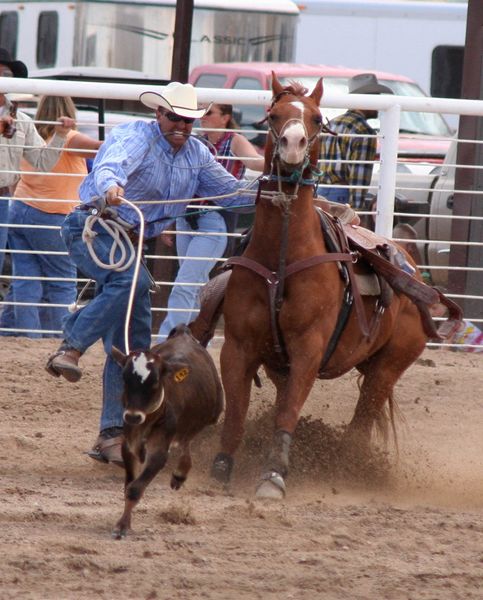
(121,243)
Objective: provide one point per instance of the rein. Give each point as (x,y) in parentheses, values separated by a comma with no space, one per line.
(295,178)
(276,279)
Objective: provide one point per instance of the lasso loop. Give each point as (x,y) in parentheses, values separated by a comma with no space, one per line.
(119,231)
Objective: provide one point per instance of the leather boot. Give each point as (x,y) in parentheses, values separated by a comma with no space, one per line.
(65,362)
(108,449)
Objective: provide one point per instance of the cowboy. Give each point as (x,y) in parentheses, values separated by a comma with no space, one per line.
(350,160)
(139,161)
(21,140)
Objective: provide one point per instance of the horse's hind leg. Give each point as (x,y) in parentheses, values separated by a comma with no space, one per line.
(380,374)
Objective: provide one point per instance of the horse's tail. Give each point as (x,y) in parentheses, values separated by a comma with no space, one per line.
(387,420)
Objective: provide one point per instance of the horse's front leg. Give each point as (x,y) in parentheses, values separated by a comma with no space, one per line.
(237,376)
(292,391)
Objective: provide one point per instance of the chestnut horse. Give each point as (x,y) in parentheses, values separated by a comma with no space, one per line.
(309,294)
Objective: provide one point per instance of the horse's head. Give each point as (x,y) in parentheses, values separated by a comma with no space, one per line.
(295,122)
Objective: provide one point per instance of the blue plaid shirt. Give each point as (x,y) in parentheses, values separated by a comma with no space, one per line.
(137,157)
(339,148)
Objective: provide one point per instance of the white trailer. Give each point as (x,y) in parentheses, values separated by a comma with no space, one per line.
(138,34)
(420,39)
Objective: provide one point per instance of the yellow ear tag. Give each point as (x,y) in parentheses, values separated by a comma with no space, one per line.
(180,375)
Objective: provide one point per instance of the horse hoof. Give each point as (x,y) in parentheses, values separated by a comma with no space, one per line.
(118,533)
(222,468)
(272,486)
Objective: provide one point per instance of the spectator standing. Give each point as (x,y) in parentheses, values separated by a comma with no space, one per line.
(351,158)
(20,139)
(203,230)
(61,194)
(139,161)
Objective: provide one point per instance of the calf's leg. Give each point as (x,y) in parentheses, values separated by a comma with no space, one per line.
(135,489)
(184,465)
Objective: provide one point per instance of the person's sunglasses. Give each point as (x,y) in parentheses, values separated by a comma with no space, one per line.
(174,118)
(212,112)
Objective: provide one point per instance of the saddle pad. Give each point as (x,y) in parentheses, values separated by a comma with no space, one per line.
(368,284)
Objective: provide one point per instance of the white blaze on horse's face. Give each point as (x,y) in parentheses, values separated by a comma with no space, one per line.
(293,138)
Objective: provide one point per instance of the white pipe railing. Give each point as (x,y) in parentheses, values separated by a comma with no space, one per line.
(388,106)
(387,177)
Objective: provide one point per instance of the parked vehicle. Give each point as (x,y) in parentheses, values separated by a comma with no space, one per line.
(138,34)
(425,146)
(423,40)
(422,135)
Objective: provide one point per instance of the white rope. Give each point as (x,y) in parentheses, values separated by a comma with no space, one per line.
(121,243)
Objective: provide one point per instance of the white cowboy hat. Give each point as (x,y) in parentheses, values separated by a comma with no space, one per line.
(366,83)
(179,98)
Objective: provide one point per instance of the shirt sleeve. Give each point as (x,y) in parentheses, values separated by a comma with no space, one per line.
(362,153)
(214,180)
(40,155)
(118,159)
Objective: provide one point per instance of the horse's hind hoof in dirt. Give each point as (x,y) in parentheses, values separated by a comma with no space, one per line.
(271,486)
(222,468)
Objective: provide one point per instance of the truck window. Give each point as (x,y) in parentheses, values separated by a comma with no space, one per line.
(47,35)
(447,71)
(250,115)
(211,80)
(9,31)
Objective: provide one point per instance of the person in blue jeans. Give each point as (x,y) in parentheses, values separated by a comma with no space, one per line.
(58,290)
(201,232)
(193,273)
(138,161)
(20,139)
(44,200)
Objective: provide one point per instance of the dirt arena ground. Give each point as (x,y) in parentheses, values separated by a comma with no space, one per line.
(391,530)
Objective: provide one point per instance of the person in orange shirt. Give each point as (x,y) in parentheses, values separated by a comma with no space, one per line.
(44,199)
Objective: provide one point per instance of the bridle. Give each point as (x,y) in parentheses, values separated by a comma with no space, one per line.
(296,175)
(284,200)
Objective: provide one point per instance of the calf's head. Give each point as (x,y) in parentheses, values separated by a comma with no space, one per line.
(145,375)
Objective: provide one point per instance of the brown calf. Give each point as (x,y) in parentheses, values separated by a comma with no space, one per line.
(171,393)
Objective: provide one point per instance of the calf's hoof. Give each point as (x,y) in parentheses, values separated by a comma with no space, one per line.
(177,481)
(271,486)
(222,468)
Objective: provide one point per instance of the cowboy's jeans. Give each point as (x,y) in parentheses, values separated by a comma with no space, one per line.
(339,195)
(104,317)
(185,296)
(3,230)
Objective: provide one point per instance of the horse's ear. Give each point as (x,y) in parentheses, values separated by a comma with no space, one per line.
(317,92)
(276,85)
(118,356)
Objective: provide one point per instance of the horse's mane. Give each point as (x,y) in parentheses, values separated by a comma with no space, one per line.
(295,88)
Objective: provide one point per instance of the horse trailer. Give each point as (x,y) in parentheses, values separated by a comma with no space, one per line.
(421,39)
(138,34)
